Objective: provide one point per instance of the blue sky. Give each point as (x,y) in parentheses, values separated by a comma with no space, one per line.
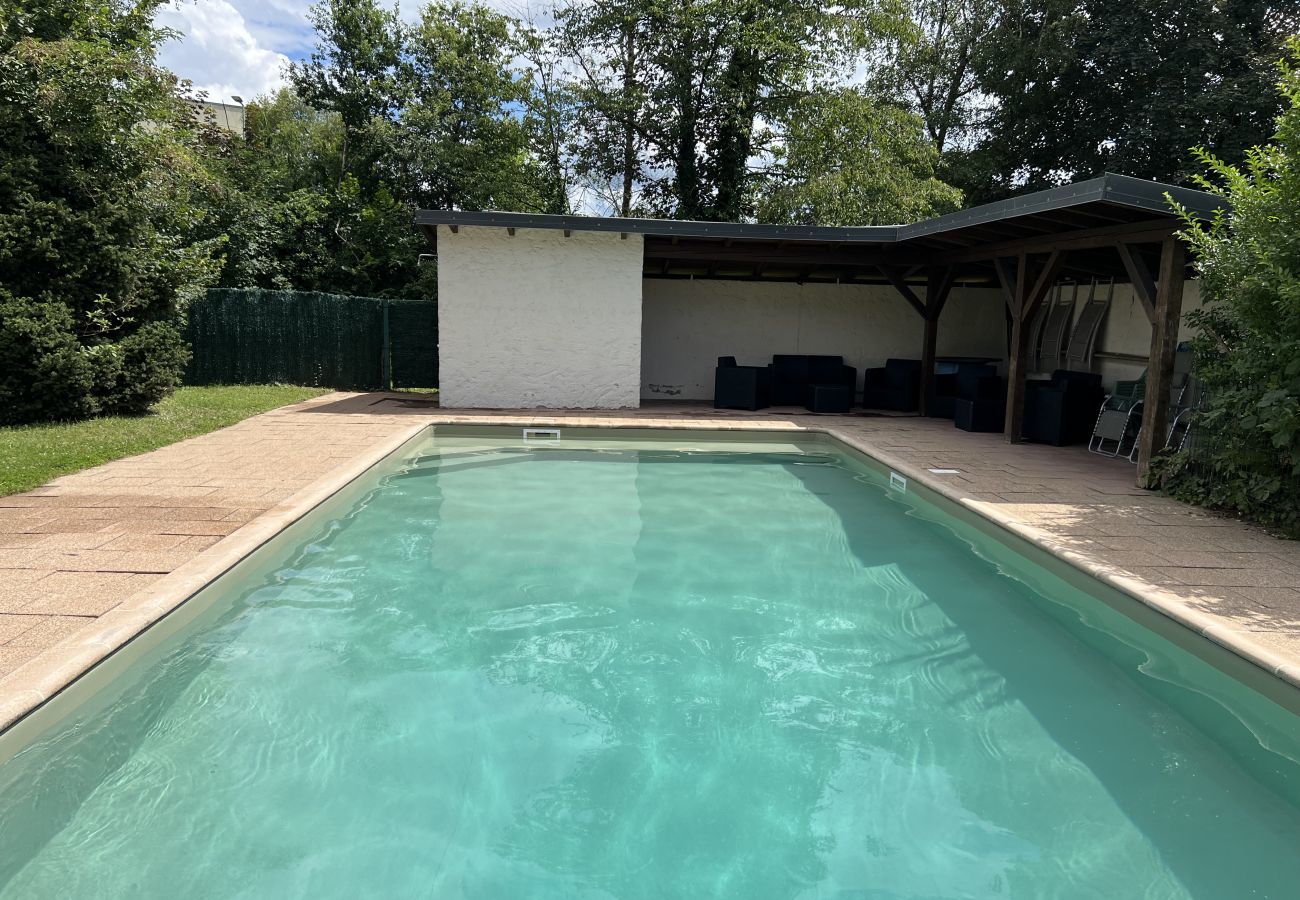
(235,47)
(240,47)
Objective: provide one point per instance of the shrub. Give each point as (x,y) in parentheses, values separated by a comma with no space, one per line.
(44,373)
(1246,457)
(146,366)
(100,180)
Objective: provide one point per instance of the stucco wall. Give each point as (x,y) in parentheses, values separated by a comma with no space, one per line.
(687,325)
(538,320)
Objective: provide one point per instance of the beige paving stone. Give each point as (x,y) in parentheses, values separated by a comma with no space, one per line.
(73,540)
(84,593)
(14,626)
(49,630)
(19,541)
(11,657)
(144,541)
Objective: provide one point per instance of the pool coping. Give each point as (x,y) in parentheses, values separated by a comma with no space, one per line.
(49,673)
(45,676)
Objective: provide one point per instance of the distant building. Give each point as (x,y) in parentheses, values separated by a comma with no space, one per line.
(229,116)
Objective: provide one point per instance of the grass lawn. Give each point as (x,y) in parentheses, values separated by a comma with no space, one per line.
(31,455)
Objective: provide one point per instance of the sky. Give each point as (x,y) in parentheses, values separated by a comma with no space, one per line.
(239,48)
(235,47)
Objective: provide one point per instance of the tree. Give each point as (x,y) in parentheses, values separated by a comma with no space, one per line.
(677,97)
(1080,87)
(606,43)
(728,68)
(460,142)
(933,66)
(355,73)
(99,195)
(1247,453)
(849,159)
(272,193)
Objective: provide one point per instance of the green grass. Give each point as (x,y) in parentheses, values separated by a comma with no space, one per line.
(31,455)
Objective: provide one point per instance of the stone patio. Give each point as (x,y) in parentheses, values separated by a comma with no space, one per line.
(147,531)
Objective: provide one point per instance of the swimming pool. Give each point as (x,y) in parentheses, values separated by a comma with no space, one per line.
(626,664)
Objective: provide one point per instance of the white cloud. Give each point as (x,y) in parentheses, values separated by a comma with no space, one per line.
(240,47)
(226,54)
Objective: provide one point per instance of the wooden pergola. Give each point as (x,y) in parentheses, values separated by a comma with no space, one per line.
(1108,227)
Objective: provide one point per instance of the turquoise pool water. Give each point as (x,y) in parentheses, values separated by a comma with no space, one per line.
(677,669)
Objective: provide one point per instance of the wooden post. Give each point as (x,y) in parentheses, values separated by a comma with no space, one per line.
(1160,364)
(938,285)
(1027,300)
(1019,353)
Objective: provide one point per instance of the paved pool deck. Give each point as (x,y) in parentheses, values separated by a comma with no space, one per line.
(91,559)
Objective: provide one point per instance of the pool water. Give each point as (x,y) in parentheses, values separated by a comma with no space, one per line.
(605,668)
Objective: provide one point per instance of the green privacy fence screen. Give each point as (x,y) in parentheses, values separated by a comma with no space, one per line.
(245,336)
(413,343)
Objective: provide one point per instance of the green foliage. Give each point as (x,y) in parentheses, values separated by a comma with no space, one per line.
(383,118)
(849,159)
(1075,88)
(44,372)
(147,366)
(678,98)
(99,182)
(930,67)
(458,143)
(1247,456)
(34,454)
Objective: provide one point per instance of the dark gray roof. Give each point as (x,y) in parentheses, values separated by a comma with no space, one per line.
(1113,198)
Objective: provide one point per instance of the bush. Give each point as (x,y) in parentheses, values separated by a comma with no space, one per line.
(47,375)
(145,367)
(44,373)
(101,190)
(1246,456)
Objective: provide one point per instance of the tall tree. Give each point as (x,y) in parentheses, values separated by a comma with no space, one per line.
(847,158)
(729,68)
(354,72)
(683,92)
(932,66)
(1080,87)
(461,141)
(606,44)
(272,196)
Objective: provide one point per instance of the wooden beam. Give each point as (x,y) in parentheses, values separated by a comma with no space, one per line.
(938,285)
(1160,364)
(1020,331)
(1140,276)
(1007,279)
(895,277)
(1043,284)
(1151,231)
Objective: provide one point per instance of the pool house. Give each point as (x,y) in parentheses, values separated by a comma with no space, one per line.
(570,312)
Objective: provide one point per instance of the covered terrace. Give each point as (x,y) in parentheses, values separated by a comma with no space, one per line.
(565,311)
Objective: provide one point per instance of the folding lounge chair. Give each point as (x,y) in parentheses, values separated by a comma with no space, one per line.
(1179,396)
(1049,342)
(1119,419)
(1180,423)
(1083,340)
